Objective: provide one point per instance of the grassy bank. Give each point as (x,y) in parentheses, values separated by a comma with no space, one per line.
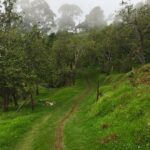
(119,120)
(15,127)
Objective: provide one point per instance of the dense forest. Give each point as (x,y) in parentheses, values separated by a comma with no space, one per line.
(31,54)
(69,82)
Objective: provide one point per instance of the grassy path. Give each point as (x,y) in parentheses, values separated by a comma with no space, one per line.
(47,131)
(78,122)
(27,141)
(59,140)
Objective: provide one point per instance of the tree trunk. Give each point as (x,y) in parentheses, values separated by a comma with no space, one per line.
(73,78)
(5,103)
(141,52)
(37,89)
(72,73)
(15,100)
(32,102)
(140,37)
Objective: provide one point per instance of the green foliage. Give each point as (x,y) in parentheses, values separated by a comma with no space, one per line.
(38,13)
(24,58)
(31,57)
(95,19)
(118,120)
(17,126)
(69,13)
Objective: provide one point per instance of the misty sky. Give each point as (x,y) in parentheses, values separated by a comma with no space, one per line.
(109,6)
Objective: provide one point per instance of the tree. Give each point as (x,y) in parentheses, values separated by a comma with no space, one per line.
(147,1)
(8,16)
(10,57)
(66,23)
(137,19)
(11,62)
(69,13)
(22,58)
(35,54)
(95,19)
(70,10)
(68,50)
(37,12)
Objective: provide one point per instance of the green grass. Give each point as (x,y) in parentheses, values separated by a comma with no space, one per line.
(15,125)
(63,98)
(119,120)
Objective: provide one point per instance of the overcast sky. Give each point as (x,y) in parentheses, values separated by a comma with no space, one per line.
(109,6)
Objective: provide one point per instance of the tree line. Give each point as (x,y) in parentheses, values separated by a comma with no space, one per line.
(31,55)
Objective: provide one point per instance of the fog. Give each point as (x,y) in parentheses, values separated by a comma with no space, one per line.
(108,6)
(87,13)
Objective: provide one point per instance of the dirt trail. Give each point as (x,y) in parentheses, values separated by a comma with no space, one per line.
(26,143)
(59,140)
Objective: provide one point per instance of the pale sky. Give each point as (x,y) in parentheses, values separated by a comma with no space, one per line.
(109,6)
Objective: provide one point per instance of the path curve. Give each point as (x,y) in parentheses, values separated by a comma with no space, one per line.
(26,143)
(59,140)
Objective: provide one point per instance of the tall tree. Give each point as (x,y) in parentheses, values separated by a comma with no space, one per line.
(68,50)
(37,12)
(94,19)
(8,16)
(69,14)
(10,56)
(138,20)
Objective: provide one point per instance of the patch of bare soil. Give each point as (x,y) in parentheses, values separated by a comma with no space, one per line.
(59,140)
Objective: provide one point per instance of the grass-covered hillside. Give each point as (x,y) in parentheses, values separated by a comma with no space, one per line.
(27,130)
(119,120)
(72,80)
